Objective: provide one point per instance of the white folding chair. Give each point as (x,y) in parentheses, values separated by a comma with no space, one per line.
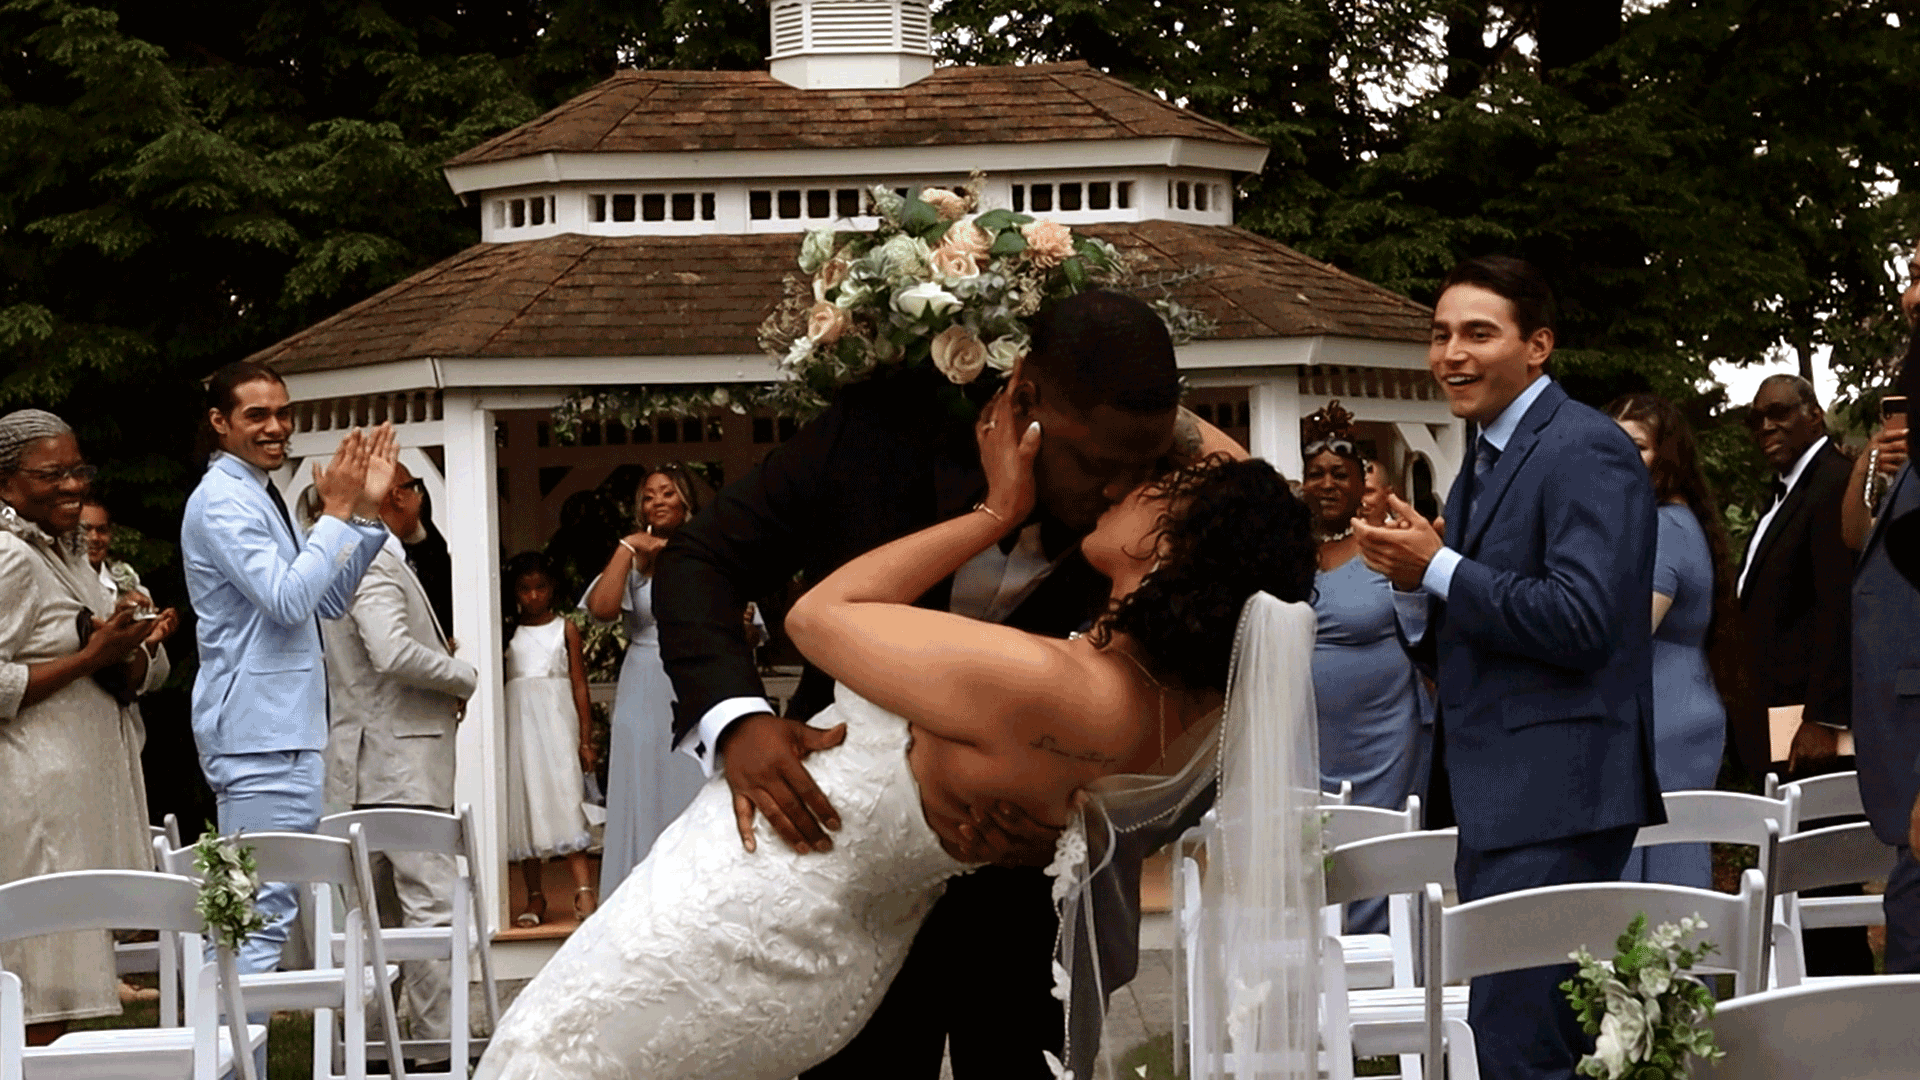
(122,900)
(1369,957)
(1716,817)
(1539,927)
(1856,1030)
(396,830)
(1340,797)
(1820,797)
(1371,1022)
(321,863)
(148,957)
(1836,855)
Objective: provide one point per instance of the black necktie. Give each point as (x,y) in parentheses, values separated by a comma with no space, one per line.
(280,504)
(1776,491)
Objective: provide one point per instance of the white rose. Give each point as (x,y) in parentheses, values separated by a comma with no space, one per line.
(924,299)
(799,353)
(958,355)
(816,249)
(1608,1048)
(1004,352)
(1654,980)
(902,256)
(952,265)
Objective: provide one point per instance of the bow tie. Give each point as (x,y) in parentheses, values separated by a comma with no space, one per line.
(1776,491)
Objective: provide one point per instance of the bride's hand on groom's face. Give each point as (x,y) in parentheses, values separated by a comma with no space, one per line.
(1006,455)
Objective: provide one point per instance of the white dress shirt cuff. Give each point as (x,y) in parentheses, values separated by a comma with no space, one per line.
(702,744)
(1438,579)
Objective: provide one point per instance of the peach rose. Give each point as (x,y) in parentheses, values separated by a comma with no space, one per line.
(967,237)
(951,207)
(1048,242)
(953,265)
(831,275)
(958,355)
(825,323)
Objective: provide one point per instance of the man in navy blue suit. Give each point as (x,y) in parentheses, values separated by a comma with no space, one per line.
(1541,637)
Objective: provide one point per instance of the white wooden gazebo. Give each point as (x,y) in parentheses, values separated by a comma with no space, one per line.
(638,234)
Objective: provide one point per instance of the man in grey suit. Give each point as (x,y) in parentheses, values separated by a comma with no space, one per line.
(397,693)
(1539,636)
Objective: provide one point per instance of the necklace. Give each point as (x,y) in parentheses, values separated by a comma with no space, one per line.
(1334,538)
(1159,686)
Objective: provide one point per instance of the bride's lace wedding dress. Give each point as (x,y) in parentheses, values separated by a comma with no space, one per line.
(710,961)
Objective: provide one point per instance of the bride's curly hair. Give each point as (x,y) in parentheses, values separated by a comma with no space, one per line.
(1231,528)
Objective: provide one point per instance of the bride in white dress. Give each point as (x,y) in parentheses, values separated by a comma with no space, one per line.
(711,961)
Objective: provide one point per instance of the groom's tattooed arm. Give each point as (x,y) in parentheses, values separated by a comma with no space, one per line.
(1186,435)
(1052,746)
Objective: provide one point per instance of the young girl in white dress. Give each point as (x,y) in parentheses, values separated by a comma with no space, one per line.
(549,739)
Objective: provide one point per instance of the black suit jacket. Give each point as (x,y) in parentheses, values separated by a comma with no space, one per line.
(1797,607)
(885,460)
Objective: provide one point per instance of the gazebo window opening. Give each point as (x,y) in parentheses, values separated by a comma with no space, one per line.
(811,204)
(1074,195)
(523,213)
(338,414)
(652,206)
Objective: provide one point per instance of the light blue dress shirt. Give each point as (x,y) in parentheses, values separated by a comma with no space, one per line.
(1439,576)
(256,589)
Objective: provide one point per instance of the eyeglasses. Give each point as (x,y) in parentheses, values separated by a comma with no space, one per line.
(1777,413)
(415,485)
(82,473)
(1342,447)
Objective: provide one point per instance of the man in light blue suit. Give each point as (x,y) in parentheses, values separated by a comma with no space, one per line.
(258,588)
(1540,637)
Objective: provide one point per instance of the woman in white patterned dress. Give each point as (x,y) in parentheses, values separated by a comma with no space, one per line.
(716,962)
(66,799)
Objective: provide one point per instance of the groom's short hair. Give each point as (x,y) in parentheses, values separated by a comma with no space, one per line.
(1105,348)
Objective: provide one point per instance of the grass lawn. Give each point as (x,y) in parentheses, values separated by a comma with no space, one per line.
(289,1036)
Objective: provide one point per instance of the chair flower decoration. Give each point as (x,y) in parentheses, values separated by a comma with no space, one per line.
(229,881)
(1648,1014)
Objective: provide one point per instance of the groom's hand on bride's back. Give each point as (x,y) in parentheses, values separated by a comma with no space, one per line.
(1002,834)
(761,757)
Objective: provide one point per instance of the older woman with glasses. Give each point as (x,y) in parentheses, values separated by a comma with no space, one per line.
(66,800)
(1376,720)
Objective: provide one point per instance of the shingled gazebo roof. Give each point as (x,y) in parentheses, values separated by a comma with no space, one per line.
(673,111)
(584,296)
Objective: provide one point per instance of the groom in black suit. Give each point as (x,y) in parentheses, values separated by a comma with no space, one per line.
(887,459)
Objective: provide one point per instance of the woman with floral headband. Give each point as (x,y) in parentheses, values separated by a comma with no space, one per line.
(1376,721)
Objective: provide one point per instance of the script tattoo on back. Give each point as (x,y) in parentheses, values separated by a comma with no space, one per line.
(1186,435)
(1052,746)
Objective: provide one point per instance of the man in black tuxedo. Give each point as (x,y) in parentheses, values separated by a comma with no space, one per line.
(1795,596)
(890,457)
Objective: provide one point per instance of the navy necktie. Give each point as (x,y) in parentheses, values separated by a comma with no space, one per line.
(1485,456)
(280,504)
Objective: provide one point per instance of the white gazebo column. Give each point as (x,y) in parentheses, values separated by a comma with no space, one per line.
(472,526)
(1274,433)
(1441,445)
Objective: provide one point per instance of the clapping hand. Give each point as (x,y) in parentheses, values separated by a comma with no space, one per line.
(383,458)
(344,480)
(114,639)
(1006,455)
(1401,549)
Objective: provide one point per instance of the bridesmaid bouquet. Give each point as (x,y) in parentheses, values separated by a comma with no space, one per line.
(229,881)
(937,282)
(1648,1013)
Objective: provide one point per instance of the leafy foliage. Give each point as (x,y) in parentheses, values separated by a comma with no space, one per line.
(228,882)
(1650,1016)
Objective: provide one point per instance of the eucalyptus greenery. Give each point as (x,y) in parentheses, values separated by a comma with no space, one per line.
(1648,1013)
(228,882)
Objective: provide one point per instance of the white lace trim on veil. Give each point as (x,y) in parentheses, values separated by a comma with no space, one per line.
(1257,967)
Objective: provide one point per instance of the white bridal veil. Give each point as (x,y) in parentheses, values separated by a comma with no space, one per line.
(1257,964)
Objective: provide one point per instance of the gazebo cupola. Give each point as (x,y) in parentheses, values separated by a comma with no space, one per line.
(851,44)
